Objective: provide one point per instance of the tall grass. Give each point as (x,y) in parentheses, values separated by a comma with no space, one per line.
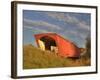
(35,58)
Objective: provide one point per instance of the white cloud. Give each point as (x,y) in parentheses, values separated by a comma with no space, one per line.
(83,25)
(69,19)
(40,24)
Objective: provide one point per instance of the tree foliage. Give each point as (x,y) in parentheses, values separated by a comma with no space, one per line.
(88,47)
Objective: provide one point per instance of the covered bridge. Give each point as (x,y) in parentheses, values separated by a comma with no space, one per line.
(57,44)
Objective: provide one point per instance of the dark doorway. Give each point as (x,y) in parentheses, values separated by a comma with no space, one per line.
(49,42)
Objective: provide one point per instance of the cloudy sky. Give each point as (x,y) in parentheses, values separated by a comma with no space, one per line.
(71,26)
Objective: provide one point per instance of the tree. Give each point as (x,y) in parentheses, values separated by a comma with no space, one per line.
(88,47)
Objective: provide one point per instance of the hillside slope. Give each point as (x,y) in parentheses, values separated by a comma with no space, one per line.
(35,58)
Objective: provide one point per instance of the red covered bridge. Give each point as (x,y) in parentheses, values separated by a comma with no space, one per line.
(57,44)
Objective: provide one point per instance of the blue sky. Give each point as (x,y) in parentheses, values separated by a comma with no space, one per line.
(71,26)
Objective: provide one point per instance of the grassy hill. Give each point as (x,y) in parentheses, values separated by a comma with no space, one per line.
(35,58)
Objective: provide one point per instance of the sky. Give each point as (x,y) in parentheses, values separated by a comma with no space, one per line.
(72,26)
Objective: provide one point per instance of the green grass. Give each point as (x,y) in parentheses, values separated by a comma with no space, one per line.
(35,58)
